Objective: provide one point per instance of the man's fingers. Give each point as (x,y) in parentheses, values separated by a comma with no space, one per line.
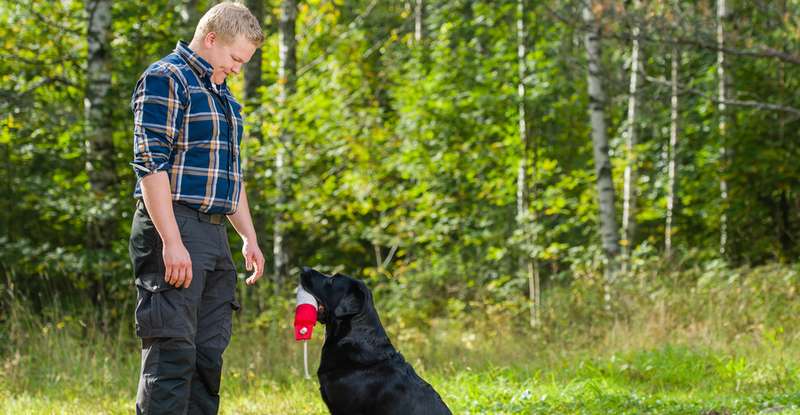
(256,265)
(168,273)
(188,276)
(248,262)
(181,276)
(254,275)
(260,266)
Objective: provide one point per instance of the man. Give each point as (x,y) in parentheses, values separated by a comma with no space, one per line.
(187,131)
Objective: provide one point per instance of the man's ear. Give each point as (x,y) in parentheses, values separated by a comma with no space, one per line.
(352,303)
(210,39)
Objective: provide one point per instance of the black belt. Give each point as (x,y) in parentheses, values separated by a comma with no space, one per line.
(183,210)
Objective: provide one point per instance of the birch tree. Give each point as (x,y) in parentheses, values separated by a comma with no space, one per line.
(287,76)
(190,16)
(672,152)
(97,105)
(99,134)
(604,182)
(252,75)
(631,141)
(721,107)
(419,20)
(525,219)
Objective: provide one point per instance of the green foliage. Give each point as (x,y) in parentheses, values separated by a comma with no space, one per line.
(405,153)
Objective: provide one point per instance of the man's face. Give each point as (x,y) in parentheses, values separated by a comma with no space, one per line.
(227,58)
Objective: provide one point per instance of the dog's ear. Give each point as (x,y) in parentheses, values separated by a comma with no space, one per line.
(352,303)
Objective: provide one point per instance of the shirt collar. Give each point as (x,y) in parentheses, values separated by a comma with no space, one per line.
(200,65)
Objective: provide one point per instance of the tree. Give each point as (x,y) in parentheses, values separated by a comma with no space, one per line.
(419,21)
(99,134)
(602,164)
(99,146)
(631,140)
(190,15)
(525,218)
(287,75)
(672,165)
(721,108)
(252,75)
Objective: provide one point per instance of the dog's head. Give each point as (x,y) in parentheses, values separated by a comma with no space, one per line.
(338,296)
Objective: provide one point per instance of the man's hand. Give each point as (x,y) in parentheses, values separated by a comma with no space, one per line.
(243,223)
(158,200)
(253,261)
(178,264)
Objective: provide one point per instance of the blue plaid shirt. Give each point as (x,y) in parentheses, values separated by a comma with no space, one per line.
(191,129)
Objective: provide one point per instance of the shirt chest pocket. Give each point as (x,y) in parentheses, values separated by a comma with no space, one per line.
(237,127)
(208,124)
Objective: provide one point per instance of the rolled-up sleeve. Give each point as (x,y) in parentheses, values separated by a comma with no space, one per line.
(158,111)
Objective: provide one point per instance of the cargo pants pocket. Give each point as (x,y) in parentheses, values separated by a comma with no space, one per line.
(160,309)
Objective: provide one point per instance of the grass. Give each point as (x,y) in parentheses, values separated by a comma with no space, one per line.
(596,387)
(711,346)
(263,376)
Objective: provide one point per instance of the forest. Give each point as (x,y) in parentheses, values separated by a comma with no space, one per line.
(560,206)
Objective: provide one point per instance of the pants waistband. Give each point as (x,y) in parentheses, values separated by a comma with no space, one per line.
(183,210)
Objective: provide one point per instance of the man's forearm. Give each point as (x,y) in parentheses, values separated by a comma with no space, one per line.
(242,221)
(158,201)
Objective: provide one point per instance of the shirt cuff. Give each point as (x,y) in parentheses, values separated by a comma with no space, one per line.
(143,169)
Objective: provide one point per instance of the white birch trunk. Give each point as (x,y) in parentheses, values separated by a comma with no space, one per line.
(252,75)
(605,185)
(629,184)
(97,104)
(190,16)
(524,216)
(723,184)
(419,21)
(672,154)
(287,73)
(99,142)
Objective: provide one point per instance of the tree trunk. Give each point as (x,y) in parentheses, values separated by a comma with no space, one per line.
(287,74)
(629,187)
(672,153)
(254,160)
(785,230)
(252,75)
(524,217)
(723,183)
(419,21)
(99,137)
(190,16)
(605,184)
(98,104)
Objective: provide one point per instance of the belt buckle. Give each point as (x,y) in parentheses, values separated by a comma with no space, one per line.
(215,219)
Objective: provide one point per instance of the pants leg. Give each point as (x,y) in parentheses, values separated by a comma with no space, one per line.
(213,336)
(166,316)
(167,370)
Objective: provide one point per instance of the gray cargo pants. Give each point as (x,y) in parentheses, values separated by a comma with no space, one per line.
(184,331)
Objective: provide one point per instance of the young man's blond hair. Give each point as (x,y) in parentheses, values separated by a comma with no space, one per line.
(228,20)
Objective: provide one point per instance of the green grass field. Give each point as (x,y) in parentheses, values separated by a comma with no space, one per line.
(724,343)
(264,376)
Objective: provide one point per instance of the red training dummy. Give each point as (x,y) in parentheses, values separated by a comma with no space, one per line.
(305,315)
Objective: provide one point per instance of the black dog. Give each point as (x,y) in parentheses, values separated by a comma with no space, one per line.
(360,372)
